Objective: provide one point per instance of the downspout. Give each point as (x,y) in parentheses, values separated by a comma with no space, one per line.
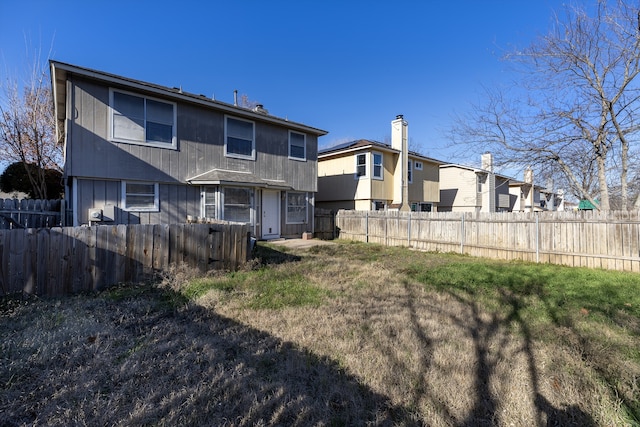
(312,203)
(74,202)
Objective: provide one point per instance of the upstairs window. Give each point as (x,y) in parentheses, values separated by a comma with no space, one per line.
(239,138)
(377,165)
(418,166)
(410,172)
(141,120)
(297,146)
(361,165)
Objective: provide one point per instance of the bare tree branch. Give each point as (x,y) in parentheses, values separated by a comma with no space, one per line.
(574,109)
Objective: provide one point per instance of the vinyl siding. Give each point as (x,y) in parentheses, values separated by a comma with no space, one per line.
(458,189)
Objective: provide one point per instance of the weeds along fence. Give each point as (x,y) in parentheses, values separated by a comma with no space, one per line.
(30,213)
(609,240)
(61,261)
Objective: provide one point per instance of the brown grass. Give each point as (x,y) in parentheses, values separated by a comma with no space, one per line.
(380,350)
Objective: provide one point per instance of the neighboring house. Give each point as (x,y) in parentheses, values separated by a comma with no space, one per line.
(469,189)
(369,175)
(528,197)
(140,153)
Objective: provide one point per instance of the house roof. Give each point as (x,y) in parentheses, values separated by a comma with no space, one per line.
(366,143)
(475,170)
(220,176)
(355,145)
(60,72)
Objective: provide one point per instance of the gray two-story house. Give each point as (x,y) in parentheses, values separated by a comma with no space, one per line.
(140,153)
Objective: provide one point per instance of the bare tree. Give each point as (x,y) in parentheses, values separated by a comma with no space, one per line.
(574,111)
(27,127)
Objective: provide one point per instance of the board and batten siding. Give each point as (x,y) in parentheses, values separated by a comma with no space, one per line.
(200,134)
(176,202)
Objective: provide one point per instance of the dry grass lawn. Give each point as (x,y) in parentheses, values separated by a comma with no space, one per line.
(346,334)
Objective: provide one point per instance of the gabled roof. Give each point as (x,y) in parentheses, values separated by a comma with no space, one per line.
(355,145)
(60,71)
(475,170)
(360,144)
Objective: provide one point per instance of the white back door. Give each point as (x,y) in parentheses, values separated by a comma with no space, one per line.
(270,214)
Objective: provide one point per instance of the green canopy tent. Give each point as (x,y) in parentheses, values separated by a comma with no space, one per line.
(586,205)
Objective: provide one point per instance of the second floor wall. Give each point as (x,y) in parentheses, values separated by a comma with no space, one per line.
(92,150)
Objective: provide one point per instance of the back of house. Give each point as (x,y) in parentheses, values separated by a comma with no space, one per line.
(140,153)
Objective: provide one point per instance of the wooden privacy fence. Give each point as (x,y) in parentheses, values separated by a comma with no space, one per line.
(609,240)
(325,224)
(59,261)
(30,213)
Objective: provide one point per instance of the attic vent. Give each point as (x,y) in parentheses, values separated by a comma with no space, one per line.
(260,109)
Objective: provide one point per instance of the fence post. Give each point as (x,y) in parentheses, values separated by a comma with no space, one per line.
(537,239)
(366,227)
(386,232)
(462,233)
(409,231)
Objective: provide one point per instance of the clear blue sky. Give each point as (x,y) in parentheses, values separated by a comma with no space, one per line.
(348,67)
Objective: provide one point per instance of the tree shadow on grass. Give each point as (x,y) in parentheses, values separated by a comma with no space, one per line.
(145,363)
(490,346)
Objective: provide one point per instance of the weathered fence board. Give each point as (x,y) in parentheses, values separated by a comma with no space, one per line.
(58,261)
(608,240)
(30,213)
(324,224)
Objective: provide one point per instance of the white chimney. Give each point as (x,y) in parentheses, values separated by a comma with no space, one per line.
(528,179)
(528,176)
(487,162)
(399,141)
(489,189)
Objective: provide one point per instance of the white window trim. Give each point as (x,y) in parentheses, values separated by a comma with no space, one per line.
(253,139)
(156,198)
(410,171)
(373,166)
(304,157)
(156,144)
(418,166)
(306,208)
(216,203)
(252,198)
(366,165)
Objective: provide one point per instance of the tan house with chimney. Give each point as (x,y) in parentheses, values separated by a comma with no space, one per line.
(370,175)
(528,197)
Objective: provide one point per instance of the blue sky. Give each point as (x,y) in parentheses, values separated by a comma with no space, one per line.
(348,67)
